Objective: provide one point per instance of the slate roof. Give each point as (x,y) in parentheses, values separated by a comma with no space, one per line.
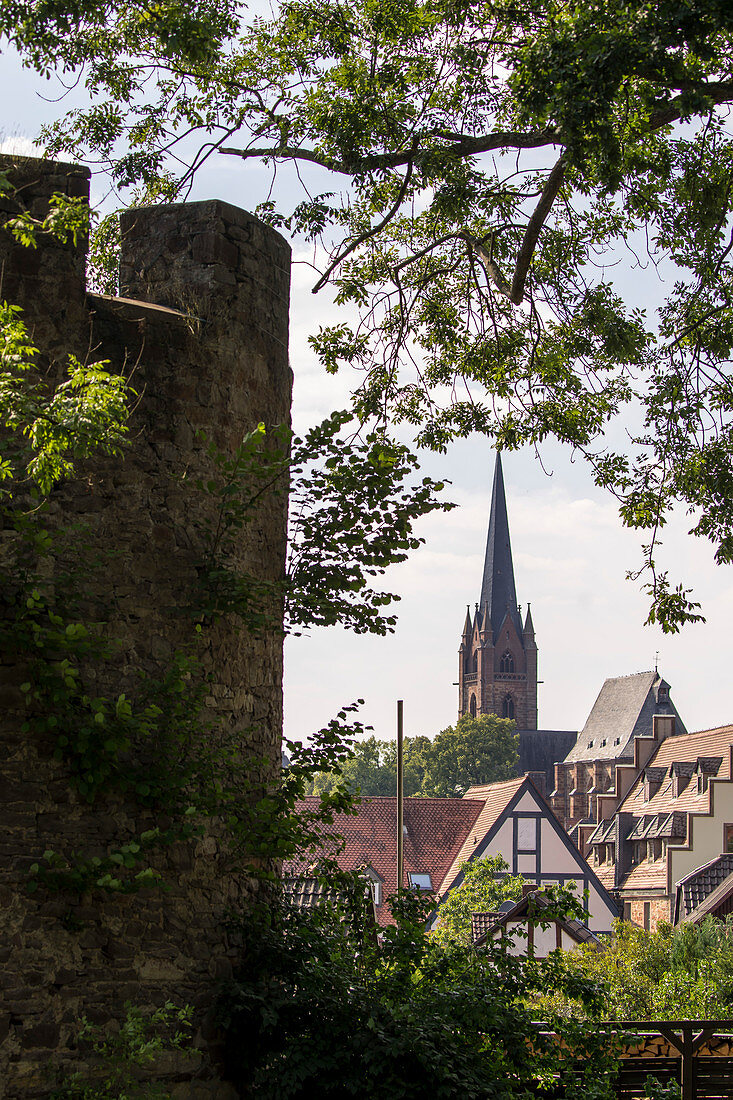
(498,592)
(308,893)
(493,799)
(623,710)
(698,887)
(481,923)
(436,831)
(540,750)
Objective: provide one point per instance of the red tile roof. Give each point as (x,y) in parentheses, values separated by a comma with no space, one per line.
(494,798)
(682,748)
(436,831)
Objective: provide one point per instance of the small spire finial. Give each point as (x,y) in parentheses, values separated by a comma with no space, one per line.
(656,662)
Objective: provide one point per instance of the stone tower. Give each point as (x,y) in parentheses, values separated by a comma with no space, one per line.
(201,329)
(497,664)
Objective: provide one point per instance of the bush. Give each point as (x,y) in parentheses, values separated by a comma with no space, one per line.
(325,1006)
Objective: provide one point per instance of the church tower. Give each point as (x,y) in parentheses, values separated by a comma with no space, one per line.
(497,664)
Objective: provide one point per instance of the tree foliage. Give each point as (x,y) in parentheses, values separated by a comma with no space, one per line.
(485,885)
(683,973)
(321,1006)
(474,751)
(511,172)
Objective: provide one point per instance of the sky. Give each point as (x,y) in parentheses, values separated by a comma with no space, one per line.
(570,551)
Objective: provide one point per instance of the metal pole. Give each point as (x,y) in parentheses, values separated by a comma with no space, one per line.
(400,803)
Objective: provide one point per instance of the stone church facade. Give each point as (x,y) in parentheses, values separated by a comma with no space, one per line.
(497,657)
(497,668)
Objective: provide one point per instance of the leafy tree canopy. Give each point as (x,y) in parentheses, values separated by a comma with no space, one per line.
(475,750)
(681,973)
(497,163)
(321,1007)
(484,887)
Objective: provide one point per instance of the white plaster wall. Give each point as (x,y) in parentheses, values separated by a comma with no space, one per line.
(705,839)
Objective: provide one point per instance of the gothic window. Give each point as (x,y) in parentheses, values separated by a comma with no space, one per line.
(507,707)
(506,664)
(475,662)
(472,706)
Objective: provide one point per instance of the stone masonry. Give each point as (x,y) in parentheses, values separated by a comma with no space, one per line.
(201,330)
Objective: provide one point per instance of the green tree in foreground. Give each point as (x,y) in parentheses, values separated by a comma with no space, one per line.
(474,751)
(485,886)
(320,1007)
(487,182)
(683,973)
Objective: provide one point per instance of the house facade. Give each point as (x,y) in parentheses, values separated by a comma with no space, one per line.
(517,823)
(673,822)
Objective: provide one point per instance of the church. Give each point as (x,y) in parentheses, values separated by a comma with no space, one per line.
(497,663)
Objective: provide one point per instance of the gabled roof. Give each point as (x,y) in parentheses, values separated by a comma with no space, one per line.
(623,710)
(498,592)
(436,830)
(708,750)
(535,902)
(494,799)
(695,891)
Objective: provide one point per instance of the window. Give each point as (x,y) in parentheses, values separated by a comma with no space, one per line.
(627,910)
(507,707)
(475,662)
(590,744)
(603,743)
(647,916)
(472,706)
(728,838)
(617,740)
(420,882)
(506,664)
(377,892)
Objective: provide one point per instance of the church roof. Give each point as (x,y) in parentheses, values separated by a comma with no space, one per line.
(623,710)
(498,592)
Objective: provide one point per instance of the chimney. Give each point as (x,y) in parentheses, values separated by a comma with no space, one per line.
(662,727)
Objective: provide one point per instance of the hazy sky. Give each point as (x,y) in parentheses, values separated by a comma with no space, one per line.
(570,553)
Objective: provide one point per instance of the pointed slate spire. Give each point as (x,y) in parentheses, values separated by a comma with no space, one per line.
(468,625)
(528,624)
(498,592)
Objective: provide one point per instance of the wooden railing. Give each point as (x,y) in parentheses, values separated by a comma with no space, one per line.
(698,1054)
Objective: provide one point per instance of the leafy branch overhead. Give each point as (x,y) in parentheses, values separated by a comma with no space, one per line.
(500,186)
(353,505)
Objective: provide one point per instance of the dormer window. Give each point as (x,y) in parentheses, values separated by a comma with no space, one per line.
(603,743)
(506,665)
(590,744)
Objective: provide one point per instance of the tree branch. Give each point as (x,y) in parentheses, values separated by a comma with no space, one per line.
(461,147)
(372,232)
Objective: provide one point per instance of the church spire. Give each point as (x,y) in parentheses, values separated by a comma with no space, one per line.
(498,592)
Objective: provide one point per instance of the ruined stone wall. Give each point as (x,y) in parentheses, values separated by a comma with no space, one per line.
(202,333)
